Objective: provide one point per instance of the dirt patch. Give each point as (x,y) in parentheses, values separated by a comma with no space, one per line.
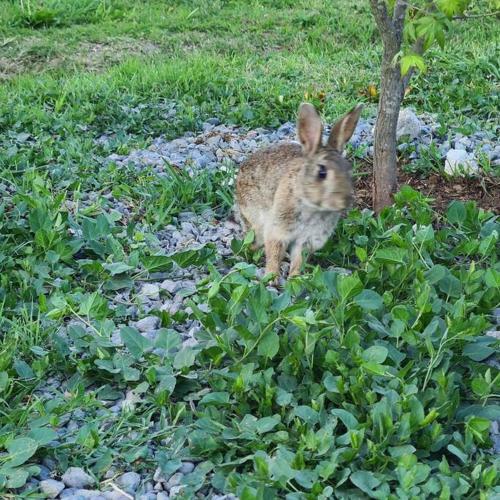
(484,190)
(31,55)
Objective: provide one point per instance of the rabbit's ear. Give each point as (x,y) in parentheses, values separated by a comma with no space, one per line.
(309,128)
(344,128)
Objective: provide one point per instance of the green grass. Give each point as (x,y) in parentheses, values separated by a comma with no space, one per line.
(374,383)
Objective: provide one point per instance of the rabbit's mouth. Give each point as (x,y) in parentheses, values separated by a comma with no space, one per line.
(340,200)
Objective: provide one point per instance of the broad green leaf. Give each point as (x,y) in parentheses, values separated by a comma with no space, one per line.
(157,263)
(215,398)
(306,413)
(478,351)
(458,453)
(412,60)
(456,213)
(94,305)
(451,286)
(369,300)
(375,354)
(43,435)
(348,286)
(347,418)
(23,369)
(306,478)
(184,358)
(167,339)
(364,480)
(333,384)
(283,398)
(374,368)
(269,344)
(492,278)
(20,450)
(117,268)
(168,466)
(134,341)
(17,478)
(392,255)
(435,274)
(4,381)
(267,424)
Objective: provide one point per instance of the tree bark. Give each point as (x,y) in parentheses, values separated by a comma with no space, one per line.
(385,152)
(391,95)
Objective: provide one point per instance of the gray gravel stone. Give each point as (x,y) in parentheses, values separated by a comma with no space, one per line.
(44,472)
(90,494)
(51,487)
(495,436)
(76,477)
(148,323)
(459,161)
(186,468)
(70,493)
(176,490)
(170,286)
(162,496)
(408,124)
(150,291)
(129,481)
(174,481)
(115,495)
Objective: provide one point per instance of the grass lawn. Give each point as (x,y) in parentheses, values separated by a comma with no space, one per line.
(372,384)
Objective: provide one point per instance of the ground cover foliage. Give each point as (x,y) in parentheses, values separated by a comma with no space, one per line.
(373,383)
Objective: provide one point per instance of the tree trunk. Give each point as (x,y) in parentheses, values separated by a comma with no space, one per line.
(385,153)
(391,95)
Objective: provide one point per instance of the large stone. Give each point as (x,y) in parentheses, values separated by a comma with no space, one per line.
(408,124)
(459,162)
(76,477)
(148,324)
(51,487)
(129,481)
(150,291)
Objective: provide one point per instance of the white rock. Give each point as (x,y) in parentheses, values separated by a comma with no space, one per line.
(150,290)
(458,162)
(51,487)
(408,124)
(147,324)
(76,477)
(162,496)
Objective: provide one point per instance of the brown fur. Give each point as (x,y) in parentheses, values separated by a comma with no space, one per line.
(282,197)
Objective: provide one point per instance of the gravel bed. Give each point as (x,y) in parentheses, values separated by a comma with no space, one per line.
(214,147)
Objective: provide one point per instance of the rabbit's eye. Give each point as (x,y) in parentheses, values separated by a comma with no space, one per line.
(322,172)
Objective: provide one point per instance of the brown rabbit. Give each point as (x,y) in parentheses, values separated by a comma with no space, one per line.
(292,195)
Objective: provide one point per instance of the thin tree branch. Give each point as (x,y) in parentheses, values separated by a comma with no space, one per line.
(382,19)
(464,17)
(398,18)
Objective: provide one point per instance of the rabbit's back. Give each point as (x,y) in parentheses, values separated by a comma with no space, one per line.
(260,175)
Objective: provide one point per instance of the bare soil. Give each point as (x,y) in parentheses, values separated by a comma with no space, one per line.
(484,190)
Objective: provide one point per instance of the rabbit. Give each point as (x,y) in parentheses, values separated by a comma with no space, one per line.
(292,194)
